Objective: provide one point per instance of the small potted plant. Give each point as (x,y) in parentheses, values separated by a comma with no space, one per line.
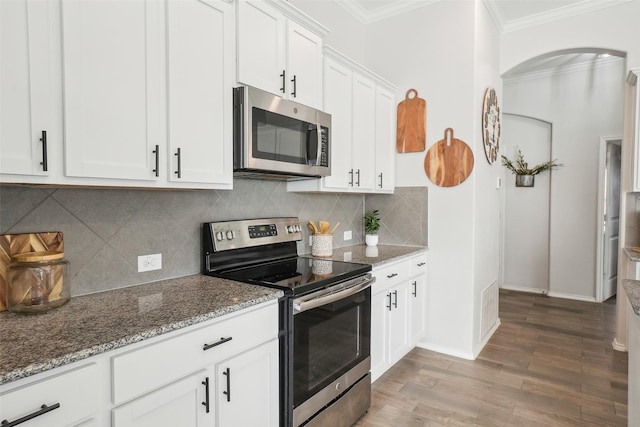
(371,227)
(525,176)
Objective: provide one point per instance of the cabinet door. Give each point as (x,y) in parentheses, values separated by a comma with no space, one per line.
(634,366)
(399,322)
(247,388)
(178,404)
(363,150)
(385,140)
(304,65)
(337,102)
(379,334)
(200,76)
(25,86)
(418,301)
(112,79)
(261,40)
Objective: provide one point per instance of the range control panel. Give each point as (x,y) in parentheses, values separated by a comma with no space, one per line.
(227,235)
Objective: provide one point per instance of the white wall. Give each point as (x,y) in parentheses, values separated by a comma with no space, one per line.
(583,105)
(614,27)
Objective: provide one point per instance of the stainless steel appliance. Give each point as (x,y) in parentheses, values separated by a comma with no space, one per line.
(276,138)
(325,317)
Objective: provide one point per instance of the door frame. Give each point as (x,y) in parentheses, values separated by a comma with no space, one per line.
(604,141)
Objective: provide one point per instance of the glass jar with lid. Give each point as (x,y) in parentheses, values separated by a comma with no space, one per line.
(37,282)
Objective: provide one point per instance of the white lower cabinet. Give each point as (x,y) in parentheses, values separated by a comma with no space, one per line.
(245,392)
(68,398)
(178,404)
(397,311)
(634,367)
(208,374)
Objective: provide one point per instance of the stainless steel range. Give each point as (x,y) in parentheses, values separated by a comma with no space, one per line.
(325,317)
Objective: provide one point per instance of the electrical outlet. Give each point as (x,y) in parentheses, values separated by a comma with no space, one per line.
(149,262)
(347,235)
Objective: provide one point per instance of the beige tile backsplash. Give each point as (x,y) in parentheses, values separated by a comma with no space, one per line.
(106,229)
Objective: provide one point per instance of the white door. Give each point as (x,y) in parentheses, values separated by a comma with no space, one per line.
(611,219)
(363,150)
(112,66)
(178,404)
(338,103)
(525,263)
(261,40)
(385,140)
(304,66)
(247,388)
(25,86)
(200,59)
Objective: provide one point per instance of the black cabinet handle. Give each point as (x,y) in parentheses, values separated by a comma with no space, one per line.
(221,341)
(420,264)
(389,306)
(415,288)
(358,173)
(294,86)
(351,177)
(157,153)
(395,304)
(228,392)
(389,276)
(179,171)
(380,179)
(44,163)
(43,410)
(205,383)
(283,80)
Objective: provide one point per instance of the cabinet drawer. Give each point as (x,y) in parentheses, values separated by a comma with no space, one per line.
(390,275)
(147,368)
(76,392)
(418,265)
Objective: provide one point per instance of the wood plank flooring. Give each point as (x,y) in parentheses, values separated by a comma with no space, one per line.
(550,363)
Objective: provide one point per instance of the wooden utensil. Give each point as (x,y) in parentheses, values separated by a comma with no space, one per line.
(313,227)
(324,226)
(412,123)
(334,228)
(449,161)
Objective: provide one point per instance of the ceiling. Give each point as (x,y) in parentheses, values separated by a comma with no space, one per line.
(509,15)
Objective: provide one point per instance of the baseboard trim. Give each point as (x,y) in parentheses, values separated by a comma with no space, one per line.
(480,346)
(445,350)
(571,296)
(525,289)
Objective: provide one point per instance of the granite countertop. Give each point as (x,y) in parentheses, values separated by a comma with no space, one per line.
(633,254)
(375,256)
(632,288)
(96,323)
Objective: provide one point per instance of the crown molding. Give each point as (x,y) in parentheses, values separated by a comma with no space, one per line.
(380,13)
(584,6)
(566,69)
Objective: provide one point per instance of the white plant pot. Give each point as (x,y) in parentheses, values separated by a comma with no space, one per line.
(371,239)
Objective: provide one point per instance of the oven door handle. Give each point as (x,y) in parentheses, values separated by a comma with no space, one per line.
(300,305)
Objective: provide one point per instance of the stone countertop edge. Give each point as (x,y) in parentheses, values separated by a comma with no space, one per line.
(632,288)
(632,255)
(92,324)
(376,256)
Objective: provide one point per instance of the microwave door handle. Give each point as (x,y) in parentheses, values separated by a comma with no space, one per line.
(319,153)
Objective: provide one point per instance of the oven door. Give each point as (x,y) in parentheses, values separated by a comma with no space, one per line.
(332,335)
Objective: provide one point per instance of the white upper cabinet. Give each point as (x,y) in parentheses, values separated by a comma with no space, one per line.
(363,121)
(25,87)
(200,42)
(280,50)
(112,88)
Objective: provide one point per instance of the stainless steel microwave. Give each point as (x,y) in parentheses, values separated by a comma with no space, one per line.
(275,138)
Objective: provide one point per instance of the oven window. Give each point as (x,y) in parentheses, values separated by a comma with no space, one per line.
(284,139)
(328,342)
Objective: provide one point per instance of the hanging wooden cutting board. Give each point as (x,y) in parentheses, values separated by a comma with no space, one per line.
(411,123)
(449,161)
